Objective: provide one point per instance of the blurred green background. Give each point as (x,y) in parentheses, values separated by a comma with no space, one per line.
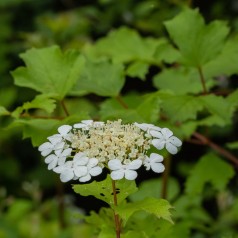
(33,203)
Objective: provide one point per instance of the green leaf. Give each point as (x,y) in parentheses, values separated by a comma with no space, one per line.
(232,101)
(180,80)
(210,168)
(102,78)
(189,208)
(166,52)
(125,45)
(49,71)
(102,220)
(153,188)
(204,42)
(181,108)
(138,69)
(41,101)
(39,129)
(149,108)
(112,108)
(232,145)
(4,111)
(159,207)
(226,62)
(103,190)
(218,107)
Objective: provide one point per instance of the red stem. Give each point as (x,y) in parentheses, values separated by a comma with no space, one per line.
(216,147)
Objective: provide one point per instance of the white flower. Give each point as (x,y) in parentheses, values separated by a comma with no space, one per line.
(147,127)
(124,170)
(153,162)
(92,170)
(65,170)
(165,138)
(47,147)
(80,167)
(84,124)
(64,134)
(58,158)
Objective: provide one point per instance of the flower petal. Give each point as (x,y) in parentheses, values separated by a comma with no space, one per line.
(166,132)
(59,169)
(156,157)
(92,162)
(45,146)
(95,171)
(59,146)
(176,141)
(171,148)
(80,171)
(61,160)
(130,174)
(66,175)
(117,175)
(114,164)
(66,152)
(79,125)
(50,158)
(156,134)
(55,139)
(52,164)
(87,122)
(80,159)
(158,143)
(135,164)
(46,152)
(64,130)
(85,178)
(157,167)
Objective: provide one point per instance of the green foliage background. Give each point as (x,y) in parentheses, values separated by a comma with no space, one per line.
(171,63)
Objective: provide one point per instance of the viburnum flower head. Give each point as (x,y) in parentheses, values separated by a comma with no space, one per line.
(82,151)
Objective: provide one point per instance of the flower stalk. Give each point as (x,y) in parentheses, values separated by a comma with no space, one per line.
(116,216)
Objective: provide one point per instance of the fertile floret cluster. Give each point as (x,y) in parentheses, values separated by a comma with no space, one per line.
(81,151)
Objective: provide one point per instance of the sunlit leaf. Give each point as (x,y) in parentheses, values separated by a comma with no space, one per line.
(103,190)
(204,43)
(41,101)
(49,71)
(125,45)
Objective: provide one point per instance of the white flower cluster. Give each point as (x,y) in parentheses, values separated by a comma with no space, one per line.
(81,151)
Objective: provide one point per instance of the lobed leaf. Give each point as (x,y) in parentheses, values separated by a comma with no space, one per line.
(102,78)
(210,168)
(103,190)
(226,62)
(204,43)
(180,80)
(41,101)
(49,71)
(182,107)
(159,207)
(218,107)
(125,45)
